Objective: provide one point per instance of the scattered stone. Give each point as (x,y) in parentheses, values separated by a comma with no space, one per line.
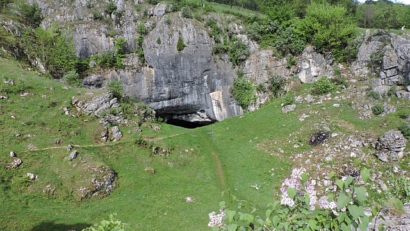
(156,128)
(65,88)
(4,97)
(32,176)
(32,147)
(149,169)
(16,162)
(66,111)
(309,98)
(73,155)
(12,154)
(299,99)
(288,108)
(17,135)
(336,105)
(303,117)
(102,181)
(396,169)
(116,133)
(58,141)
(189,199)
(70,147)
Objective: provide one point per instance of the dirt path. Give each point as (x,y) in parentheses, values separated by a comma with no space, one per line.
(219,168)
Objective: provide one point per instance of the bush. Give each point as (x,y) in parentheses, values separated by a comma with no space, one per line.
(392,90)
(290,61)
(115,87)
(276,85)
(112,224)
(186,12)
(110,8)
(405,130)
(180,45)
(378,109)
(12,86)
(323,86)
(289,98)
(340,81)
(97,15)
(31,14)
(72,78)
(153,2)
(374,95)
(243,92)
(261,87)
(168,21)
(159,41)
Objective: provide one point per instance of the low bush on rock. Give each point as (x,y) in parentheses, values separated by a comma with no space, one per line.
(323,86)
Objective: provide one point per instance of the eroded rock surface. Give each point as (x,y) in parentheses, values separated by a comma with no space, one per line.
(390,146)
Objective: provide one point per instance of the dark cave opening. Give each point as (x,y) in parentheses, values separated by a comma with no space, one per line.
(185,124)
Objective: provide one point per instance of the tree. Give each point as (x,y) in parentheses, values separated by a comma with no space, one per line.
(327,28)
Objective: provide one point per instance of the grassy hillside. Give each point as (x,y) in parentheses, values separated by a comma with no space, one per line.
(235,154)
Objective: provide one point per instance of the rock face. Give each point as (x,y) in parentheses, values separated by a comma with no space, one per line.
(391,221)
(386,55)
(313,65)
(390,146)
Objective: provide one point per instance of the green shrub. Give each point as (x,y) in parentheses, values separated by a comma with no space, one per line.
(116,88)
(186,12)
(261,87)
(276,85)
(153,2)
(405,130)
(31,14)
(88,4)
(105,59)
(97,15)
(289,98)
(403,113)
(110,8)
(12,85)
(378,109)
(159,41)
(180,45)
(238,51)
(290,60)
(401,188)
(72,78)
(374,95)
(323,86)
(113,224)
(392,90)
(168,21)
(244,92)
(112,32)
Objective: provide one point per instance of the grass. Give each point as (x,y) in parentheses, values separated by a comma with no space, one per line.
(232,155)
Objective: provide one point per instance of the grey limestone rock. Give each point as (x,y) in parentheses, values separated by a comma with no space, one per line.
(288,108)
(73,155)
(313,65)
(116,134)
(391,146)
(31,176)
(16,162)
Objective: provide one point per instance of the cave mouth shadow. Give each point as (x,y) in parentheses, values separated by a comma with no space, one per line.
(53,226)
(185,124)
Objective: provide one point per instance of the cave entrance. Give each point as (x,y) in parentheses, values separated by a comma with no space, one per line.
(185,124)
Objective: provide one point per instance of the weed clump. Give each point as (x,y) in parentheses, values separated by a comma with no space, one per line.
(378,109)
(323,86)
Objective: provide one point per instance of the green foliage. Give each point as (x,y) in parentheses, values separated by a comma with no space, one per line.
(110,8)
(88,4)
(290,61)
(12,85)
(72,78)
(186,12)
(180,45)
(289,98)
(97,15)
(142,31)
(323,86)
(31,14)
(392,90)
(153,2)
(340,81)
(405,130)
(378,109)
(403,113)
(401,188)
(168,21)
(159,41)
(4,3)
(53,47)
(374,95)
(347,210)
(113,224)
(116,88)
(238,51)
(244,92)
(261,87)
(276,85)
(112,32)
(327,28)
(105,59)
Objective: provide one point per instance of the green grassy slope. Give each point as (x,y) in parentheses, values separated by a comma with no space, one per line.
(204,161)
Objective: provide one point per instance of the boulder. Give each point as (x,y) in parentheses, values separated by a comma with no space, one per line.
(31,176)
(391,146)
(288,108)
(73,155)
(12,154)
(16,162)
(116,134)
